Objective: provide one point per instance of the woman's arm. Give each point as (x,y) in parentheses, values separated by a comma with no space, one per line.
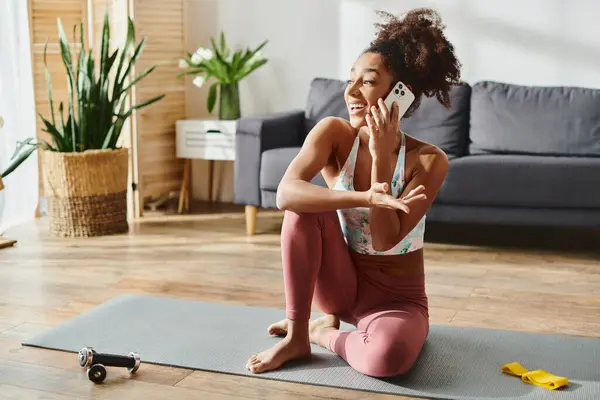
(386,220)
(297,193)
(391,226)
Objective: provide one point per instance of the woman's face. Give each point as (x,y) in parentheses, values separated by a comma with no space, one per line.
(369,81)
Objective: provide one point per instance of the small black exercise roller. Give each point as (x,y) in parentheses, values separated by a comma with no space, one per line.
(97,363)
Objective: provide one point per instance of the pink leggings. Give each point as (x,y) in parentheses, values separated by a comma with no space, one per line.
(389,312)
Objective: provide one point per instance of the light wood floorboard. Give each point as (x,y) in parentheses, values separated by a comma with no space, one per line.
(45,281)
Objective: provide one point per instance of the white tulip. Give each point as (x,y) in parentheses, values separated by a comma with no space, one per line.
(199,81)
(206,54)
(183,63)
(196,58)
(202,54)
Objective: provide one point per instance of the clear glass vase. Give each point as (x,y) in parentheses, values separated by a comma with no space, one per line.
(229,101)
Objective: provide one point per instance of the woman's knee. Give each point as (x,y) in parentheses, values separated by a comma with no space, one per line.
(295,222)
(387,358)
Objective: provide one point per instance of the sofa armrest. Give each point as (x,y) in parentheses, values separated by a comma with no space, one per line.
(254,135)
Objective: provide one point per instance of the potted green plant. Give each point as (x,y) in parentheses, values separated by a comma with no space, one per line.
(85,168)
(227,68)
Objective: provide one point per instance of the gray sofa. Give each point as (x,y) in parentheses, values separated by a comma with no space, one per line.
(519,155)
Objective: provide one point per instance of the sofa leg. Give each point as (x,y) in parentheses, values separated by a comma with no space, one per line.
(251,220)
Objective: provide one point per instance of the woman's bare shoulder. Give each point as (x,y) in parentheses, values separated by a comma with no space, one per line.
(336,125)
(338,130)
(429,156)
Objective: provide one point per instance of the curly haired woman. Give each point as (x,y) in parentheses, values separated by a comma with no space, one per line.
(356,247)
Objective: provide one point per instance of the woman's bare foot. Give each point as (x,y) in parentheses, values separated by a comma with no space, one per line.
(294,346)
(279,328)
(316,328)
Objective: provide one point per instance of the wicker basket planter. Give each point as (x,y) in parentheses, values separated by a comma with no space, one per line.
(86,192)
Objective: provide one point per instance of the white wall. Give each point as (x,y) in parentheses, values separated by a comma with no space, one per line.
(530,42)
(303,43)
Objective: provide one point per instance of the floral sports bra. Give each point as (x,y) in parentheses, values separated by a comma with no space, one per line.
(355,221)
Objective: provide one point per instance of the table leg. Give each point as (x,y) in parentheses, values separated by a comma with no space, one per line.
(211,173)
(188,192)
(184,191)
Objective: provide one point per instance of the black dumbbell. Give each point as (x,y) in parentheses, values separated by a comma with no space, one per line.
(97,363)
(96,373)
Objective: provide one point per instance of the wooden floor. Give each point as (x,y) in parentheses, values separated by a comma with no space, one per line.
(45,281)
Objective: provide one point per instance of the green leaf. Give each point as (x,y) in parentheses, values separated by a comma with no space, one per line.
(109,137)
(23,151)
(80,77)
(105,43)
(137,79)
(136,54)
(118,125)
(223,43)
(22,156)
(68,62)
(249,69)
(59,141)
(212,96)
(223,68)
(48,84)
(249,54)
(216,49)
(20,146)
(191,72)
(209,67)
(218,70)
(127,46)
(224,49)
(64,43)
(142,104)
(61,120)
(235,62)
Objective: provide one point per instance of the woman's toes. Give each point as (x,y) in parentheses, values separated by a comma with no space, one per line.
(251,361)
(255,361)
(256,368)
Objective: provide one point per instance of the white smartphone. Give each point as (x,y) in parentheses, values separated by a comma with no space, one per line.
(401,95)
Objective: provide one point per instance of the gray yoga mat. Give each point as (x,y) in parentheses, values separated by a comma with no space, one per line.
(456,363)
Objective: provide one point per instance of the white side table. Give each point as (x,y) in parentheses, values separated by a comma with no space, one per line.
(203,139)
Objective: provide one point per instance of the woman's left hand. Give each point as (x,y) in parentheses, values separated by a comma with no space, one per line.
(384,126)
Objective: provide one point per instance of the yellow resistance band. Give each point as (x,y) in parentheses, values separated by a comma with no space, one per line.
(538,377)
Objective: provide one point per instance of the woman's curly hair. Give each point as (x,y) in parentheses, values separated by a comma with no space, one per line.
(417,52)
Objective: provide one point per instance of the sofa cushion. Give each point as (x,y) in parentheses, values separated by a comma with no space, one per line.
(325,99)
(273,165)
(522,181)
(446,128)
(508,118)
